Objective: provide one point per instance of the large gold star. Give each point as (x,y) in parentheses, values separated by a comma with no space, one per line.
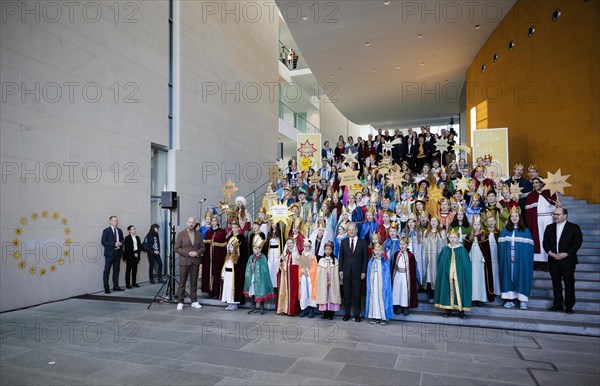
(466,149)
(349,177)
(279,212)
(228,190)
(462,184)
(395,178)
(307,149)
(350,158)
(557,182)
(515,191)
(441,145)
(389,145)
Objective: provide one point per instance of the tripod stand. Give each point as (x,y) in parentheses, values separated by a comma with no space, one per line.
(171,281)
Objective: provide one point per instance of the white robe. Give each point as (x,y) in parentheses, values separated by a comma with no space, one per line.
(478,273)
(544,218)
(495,269)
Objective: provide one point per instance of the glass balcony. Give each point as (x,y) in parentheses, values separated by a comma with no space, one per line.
(297,120)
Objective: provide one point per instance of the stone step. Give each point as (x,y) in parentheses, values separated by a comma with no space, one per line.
(543,303)
(583,295)
(588,252)
(588,267)
(591,238)
(589,230)
(588,259)
(579,275)
(539,314)
(580,284)
(591,244)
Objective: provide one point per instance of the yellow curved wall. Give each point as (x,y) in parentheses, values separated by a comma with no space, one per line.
(546,90)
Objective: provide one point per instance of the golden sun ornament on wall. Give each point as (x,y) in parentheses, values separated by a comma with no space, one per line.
(37,267)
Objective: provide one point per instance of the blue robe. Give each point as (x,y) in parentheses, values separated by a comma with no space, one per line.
(367,231)
(336,245)
(391,247)
(387,305)
(522,272)
(358,217)
(203,230)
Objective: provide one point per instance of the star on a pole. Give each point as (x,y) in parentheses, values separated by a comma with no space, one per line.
(350,158)
(349,177)
(389,145)
(462,184)
(228,190)
(279,213)
(515,191)
(557,182)
(441,145)
(466,149)
(395,178)
(283,165)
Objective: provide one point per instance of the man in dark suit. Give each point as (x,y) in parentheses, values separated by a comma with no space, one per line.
(409,153)
(562,240)
(353,267)
(131,255)
(112,240)
(190,247)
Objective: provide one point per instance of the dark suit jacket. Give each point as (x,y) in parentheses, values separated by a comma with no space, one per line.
(570,240)
(353,264)
(108,240)
(183,246)
(128,253)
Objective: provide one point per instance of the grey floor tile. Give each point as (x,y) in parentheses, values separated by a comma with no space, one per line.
(565,378)
(445,380)
(367,358)
(565,357)
(119,373)
(162,349)
(377,376)
(293,350)
(380,348)
(175,377)
(235,358)
(10,375)
(440,366)
(316,368)
(490,349)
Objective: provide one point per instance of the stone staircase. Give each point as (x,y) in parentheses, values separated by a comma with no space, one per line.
(585,320)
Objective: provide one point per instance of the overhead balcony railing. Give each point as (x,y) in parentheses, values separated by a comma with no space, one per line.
(293,60)
(297,120)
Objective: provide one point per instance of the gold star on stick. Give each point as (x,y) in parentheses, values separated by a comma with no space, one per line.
(395,178)
(279,212)
(350,158)
(557,182)
(349,177)
(441,145)
(462,184)
(515,191)
(466,149)
(228,190)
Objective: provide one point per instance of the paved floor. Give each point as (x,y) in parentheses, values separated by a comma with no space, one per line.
(84,341)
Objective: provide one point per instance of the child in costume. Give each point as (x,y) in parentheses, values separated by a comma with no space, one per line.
(328,284)
(307,264)
(257,283)
(379,306)
(404,278)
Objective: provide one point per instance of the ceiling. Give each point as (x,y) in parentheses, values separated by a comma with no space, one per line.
(413,69)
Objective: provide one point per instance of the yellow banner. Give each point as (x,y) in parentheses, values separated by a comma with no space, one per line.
(308,150)
(492,142)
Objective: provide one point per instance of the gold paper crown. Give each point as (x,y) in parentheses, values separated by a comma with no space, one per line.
(487,157)
(394,225)
(234,241)
(262,210)
(443,200)
(336,194)
(490,213)
(321,213)
(344,224)
(404,240)
(518,165)
(377,245)
(209,213)
(370,210)
(257,241)
(533,166)
(505,187)
(345,210)
(476,219)
(297,222)
(454,232)
(461,209)
(476,196)
(515,209)
(412,216)
(480,169)
(322,225)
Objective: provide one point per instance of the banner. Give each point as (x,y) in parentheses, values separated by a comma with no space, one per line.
(492,142)
(308,150)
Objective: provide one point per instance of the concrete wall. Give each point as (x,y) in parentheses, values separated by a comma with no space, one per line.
(65,149)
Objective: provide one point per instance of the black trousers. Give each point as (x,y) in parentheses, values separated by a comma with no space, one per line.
(154,259)
(113,262)
(563,270)
(352,294)
(131,272)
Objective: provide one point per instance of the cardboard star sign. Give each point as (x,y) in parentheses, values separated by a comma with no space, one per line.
(279,213)
(441,145)
(350,158)
(307,149)
(349,177)
(557,182)
(228,190)
(395,178)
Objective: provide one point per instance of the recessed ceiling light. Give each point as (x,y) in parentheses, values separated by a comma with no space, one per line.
(419,36)
(304,17)
(331,76)
(367,44)
(477,26)
(375,70)
(386,2)
(398,67)
(421,64)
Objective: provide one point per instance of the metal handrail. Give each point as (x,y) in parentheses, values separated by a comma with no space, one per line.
(314,129)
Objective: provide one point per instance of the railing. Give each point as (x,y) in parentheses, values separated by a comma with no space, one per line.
(284,52)
(296,119)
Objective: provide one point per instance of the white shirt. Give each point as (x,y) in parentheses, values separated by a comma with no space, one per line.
(115,231)
(352,240)
(560,226)
(135,246)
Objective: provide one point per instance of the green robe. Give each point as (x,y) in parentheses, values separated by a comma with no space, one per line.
(263,288)
(453,263)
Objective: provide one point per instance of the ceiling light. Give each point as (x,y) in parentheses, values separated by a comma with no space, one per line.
(386,2)
(375,70)
(398,67)
(331,76)
(304,17)
(477,26)
(367,44)
(419,36)
(421,64)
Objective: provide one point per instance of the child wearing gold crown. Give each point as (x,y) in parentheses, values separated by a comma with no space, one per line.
(434,240)
(288,285)
(414,235)
(515,260)
(404,279)
(392,244)
(478,245)
(228,274)
(453,282)
(257,284)
(379,307)
(328,283)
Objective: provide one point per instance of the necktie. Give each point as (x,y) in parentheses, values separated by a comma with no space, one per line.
(352,246)
(115,233)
